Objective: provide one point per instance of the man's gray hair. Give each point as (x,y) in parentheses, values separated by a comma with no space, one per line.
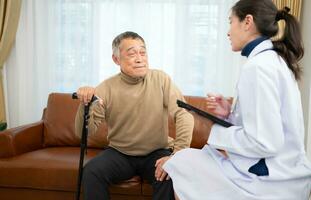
(117,40)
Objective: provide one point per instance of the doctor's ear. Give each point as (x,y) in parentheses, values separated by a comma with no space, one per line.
(115,59)
(248,21)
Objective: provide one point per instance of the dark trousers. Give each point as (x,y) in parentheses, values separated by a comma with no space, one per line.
(111,166)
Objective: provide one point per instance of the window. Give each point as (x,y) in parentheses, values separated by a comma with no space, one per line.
(64,44)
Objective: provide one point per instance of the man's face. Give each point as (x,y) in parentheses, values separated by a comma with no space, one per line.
(133,59)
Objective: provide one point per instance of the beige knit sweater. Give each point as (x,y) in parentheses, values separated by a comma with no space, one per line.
(136,112)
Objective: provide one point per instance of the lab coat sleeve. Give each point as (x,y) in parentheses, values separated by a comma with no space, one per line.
(260,133)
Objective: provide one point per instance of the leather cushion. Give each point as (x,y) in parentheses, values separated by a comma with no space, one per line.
(59,119)
(54,168)
(202,126)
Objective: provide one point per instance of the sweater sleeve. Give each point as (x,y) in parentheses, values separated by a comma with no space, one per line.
(96,117)
(183,120)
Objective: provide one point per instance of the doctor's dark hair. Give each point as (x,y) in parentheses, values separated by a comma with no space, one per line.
(266,16)
(126,35)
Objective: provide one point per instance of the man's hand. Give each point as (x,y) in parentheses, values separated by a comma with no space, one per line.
(160,174)
(86,93)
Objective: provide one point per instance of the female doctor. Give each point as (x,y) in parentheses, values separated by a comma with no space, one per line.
(262,156)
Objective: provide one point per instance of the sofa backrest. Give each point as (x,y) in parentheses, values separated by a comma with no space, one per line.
(202,126)
(59,118)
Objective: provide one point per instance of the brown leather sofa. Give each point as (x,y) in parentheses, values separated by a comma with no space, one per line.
(39,161)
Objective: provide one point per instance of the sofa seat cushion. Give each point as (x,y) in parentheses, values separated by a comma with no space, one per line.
(146,189)
(53,168)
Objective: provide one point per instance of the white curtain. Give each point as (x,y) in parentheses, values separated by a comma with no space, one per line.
(64,44)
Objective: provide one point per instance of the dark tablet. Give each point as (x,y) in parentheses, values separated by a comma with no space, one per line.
(204,114)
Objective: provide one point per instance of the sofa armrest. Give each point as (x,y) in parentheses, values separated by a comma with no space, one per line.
(21,139)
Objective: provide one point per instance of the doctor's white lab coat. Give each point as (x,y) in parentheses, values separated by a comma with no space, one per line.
(268,123)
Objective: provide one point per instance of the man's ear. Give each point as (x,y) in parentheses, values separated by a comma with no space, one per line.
(115,59)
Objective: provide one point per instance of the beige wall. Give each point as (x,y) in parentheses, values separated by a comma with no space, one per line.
(305,84)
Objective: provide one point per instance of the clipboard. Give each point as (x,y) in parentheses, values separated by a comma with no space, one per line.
(204,114)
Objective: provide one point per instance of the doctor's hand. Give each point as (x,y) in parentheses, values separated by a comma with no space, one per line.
(160,174)
(217,105)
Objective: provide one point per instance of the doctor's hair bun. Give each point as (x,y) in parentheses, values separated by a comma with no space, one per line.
(282,13)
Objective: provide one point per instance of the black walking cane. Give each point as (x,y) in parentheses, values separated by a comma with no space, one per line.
(83,144)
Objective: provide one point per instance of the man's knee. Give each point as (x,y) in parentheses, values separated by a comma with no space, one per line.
(109,167)
(94,186)
(163,190)
(94,173)
(167,184)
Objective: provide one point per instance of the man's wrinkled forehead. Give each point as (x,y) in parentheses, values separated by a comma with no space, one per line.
(129,44)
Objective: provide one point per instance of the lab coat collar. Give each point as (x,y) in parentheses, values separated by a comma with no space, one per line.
(264,45)
(246,51)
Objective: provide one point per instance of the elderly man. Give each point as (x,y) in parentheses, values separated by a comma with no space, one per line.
(135,104)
